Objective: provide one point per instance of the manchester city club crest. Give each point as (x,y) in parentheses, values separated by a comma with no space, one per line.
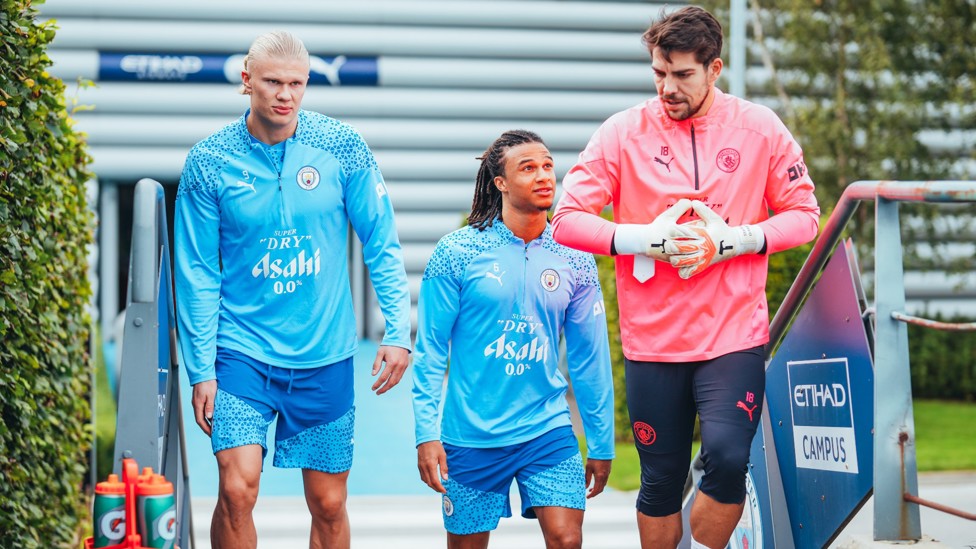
(550,280)
(308,178)
(727,160)
(448,506)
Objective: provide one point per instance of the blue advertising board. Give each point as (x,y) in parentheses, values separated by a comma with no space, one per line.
(820,396)
(181,67)
(814,450)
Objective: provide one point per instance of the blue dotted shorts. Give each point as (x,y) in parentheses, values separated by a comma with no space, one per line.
(314,410)
(548,470)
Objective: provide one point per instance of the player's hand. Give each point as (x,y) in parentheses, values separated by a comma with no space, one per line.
(396,360)
(430,458)
(203,397)
(718,243)
(661,238)
(597,473)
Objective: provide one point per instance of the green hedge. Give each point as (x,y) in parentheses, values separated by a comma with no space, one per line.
(943,362)
(45,229)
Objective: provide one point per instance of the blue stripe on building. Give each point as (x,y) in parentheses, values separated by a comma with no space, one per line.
(170,67)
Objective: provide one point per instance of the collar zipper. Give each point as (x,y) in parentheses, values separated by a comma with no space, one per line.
(694,154)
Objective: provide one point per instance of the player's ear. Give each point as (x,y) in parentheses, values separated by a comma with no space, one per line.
(500,183)
(245,83)
(715,69)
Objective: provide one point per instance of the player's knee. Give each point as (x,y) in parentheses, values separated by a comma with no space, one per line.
(662,482)
(238,498)
(725,473)
(328,507)
(567,538)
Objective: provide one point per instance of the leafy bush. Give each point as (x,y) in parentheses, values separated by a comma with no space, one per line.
(943,363)
(45,228)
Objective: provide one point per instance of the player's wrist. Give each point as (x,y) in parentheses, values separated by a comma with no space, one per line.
(750,239)
(631,239)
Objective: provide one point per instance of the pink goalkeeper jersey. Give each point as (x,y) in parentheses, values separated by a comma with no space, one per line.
(742,162)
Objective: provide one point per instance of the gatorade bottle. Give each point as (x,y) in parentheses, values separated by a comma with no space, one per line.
(156,512)
(109,512)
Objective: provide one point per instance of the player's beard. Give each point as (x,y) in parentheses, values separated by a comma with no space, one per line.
(691,111)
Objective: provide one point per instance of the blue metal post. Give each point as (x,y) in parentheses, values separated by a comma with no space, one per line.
(895,471)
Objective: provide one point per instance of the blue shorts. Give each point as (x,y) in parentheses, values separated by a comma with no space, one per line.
(548,470)
(663,397)
(314,408)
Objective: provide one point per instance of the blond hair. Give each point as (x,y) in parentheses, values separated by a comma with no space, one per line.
(275,45)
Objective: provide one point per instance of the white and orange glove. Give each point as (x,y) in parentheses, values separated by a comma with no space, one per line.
(660,239)
(718,242)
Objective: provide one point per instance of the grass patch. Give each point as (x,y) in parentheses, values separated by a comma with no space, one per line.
(945,435)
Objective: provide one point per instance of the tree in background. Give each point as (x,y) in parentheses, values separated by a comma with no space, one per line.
(45,230)
(864,83)
(880,89)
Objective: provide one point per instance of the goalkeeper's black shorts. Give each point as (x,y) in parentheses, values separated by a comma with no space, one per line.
(663,397)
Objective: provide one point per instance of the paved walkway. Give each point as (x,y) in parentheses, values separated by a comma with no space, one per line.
(390,508)
(414,521)
(956,490)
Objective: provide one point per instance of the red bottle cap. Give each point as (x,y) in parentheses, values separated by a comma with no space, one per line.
(110,486)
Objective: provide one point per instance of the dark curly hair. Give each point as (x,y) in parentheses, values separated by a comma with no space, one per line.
(487,203)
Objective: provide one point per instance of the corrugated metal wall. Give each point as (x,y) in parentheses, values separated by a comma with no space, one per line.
(428,83)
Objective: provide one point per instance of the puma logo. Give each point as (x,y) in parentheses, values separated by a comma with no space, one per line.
(748,410)
(665,164)
(498,277)
(329,70)
(248,185)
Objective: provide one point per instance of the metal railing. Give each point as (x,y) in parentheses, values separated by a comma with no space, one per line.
(896,512)
(150,427)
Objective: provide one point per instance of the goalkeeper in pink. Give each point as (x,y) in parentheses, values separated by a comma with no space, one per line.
(693,176)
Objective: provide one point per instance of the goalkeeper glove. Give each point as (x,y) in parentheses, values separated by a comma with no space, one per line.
(657,239)
(718,242)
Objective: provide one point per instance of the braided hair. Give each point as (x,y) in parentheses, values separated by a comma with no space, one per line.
(487,203)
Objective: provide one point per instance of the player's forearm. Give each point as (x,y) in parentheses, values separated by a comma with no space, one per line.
(791,228)
(598,427)
(593,387)
(583,231)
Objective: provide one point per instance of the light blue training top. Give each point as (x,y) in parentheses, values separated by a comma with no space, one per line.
(494,308)
(261,247)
